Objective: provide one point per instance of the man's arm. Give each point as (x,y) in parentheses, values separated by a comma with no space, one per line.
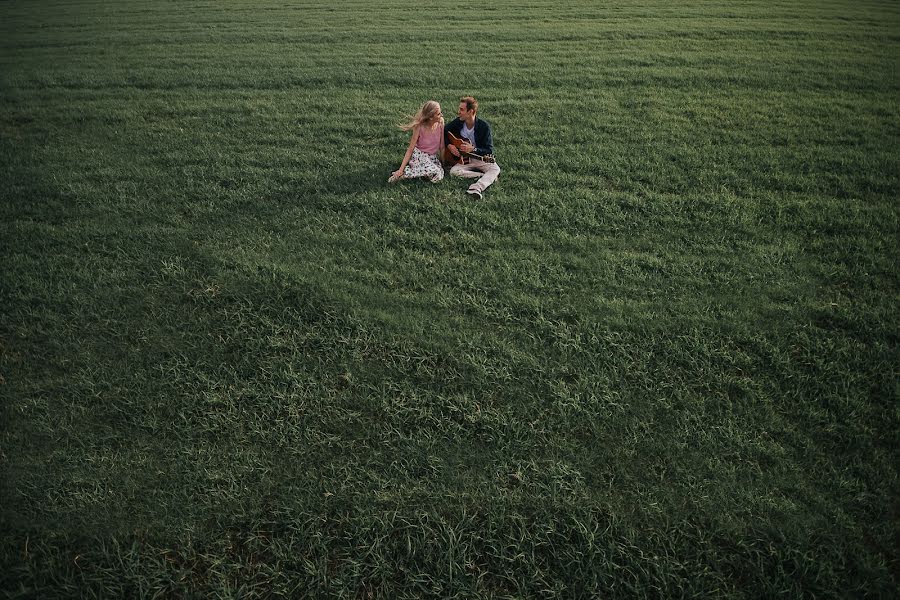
(454,127)
(485,141)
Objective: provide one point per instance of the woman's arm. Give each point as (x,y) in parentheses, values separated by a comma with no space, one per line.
(409,151)
(442,152)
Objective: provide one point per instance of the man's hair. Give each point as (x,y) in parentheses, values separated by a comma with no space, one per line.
(471,103)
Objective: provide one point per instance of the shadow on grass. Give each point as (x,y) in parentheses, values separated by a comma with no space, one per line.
(359,178)
(365,178)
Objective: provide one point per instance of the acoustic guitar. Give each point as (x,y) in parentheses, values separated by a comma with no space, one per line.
(464,157)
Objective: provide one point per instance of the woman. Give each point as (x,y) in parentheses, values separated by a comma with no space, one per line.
(423,156)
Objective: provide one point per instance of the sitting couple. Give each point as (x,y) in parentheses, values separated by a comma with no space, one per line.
(465,143)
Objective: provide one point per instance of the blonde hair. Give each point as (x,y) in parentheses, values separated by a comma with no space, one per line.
(430,112)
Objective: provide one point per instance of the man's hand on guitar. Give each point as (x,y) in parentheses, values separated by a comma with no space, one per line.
(452,149)
(467,147)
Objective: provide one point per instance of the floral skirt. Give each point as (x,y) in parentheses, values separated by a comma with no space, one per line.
(422,164)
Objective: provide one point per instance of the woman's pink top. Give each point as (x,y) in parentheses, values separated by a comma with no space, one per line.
(430,139)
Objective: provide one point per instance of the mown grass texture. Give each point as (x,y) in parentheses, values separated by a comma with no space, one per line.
(659,359)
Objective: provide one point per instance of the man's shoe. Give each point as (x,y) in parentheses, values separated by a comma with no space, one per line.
(475,193)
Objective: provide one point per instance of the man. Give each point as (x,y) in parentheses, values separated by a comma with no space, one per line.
(477,140)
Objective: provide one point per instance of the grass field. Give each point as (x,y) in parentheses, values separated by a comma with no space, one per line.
(659,359)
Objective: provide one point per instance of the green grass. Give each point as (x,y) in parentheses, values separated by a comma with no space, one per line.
(659,359)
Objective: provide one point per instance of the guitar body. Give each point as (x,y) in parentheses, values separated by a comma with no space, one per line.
(464,157)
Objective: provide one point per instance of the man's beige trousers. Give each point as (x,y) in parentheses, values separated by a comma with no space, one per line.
(486,173)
